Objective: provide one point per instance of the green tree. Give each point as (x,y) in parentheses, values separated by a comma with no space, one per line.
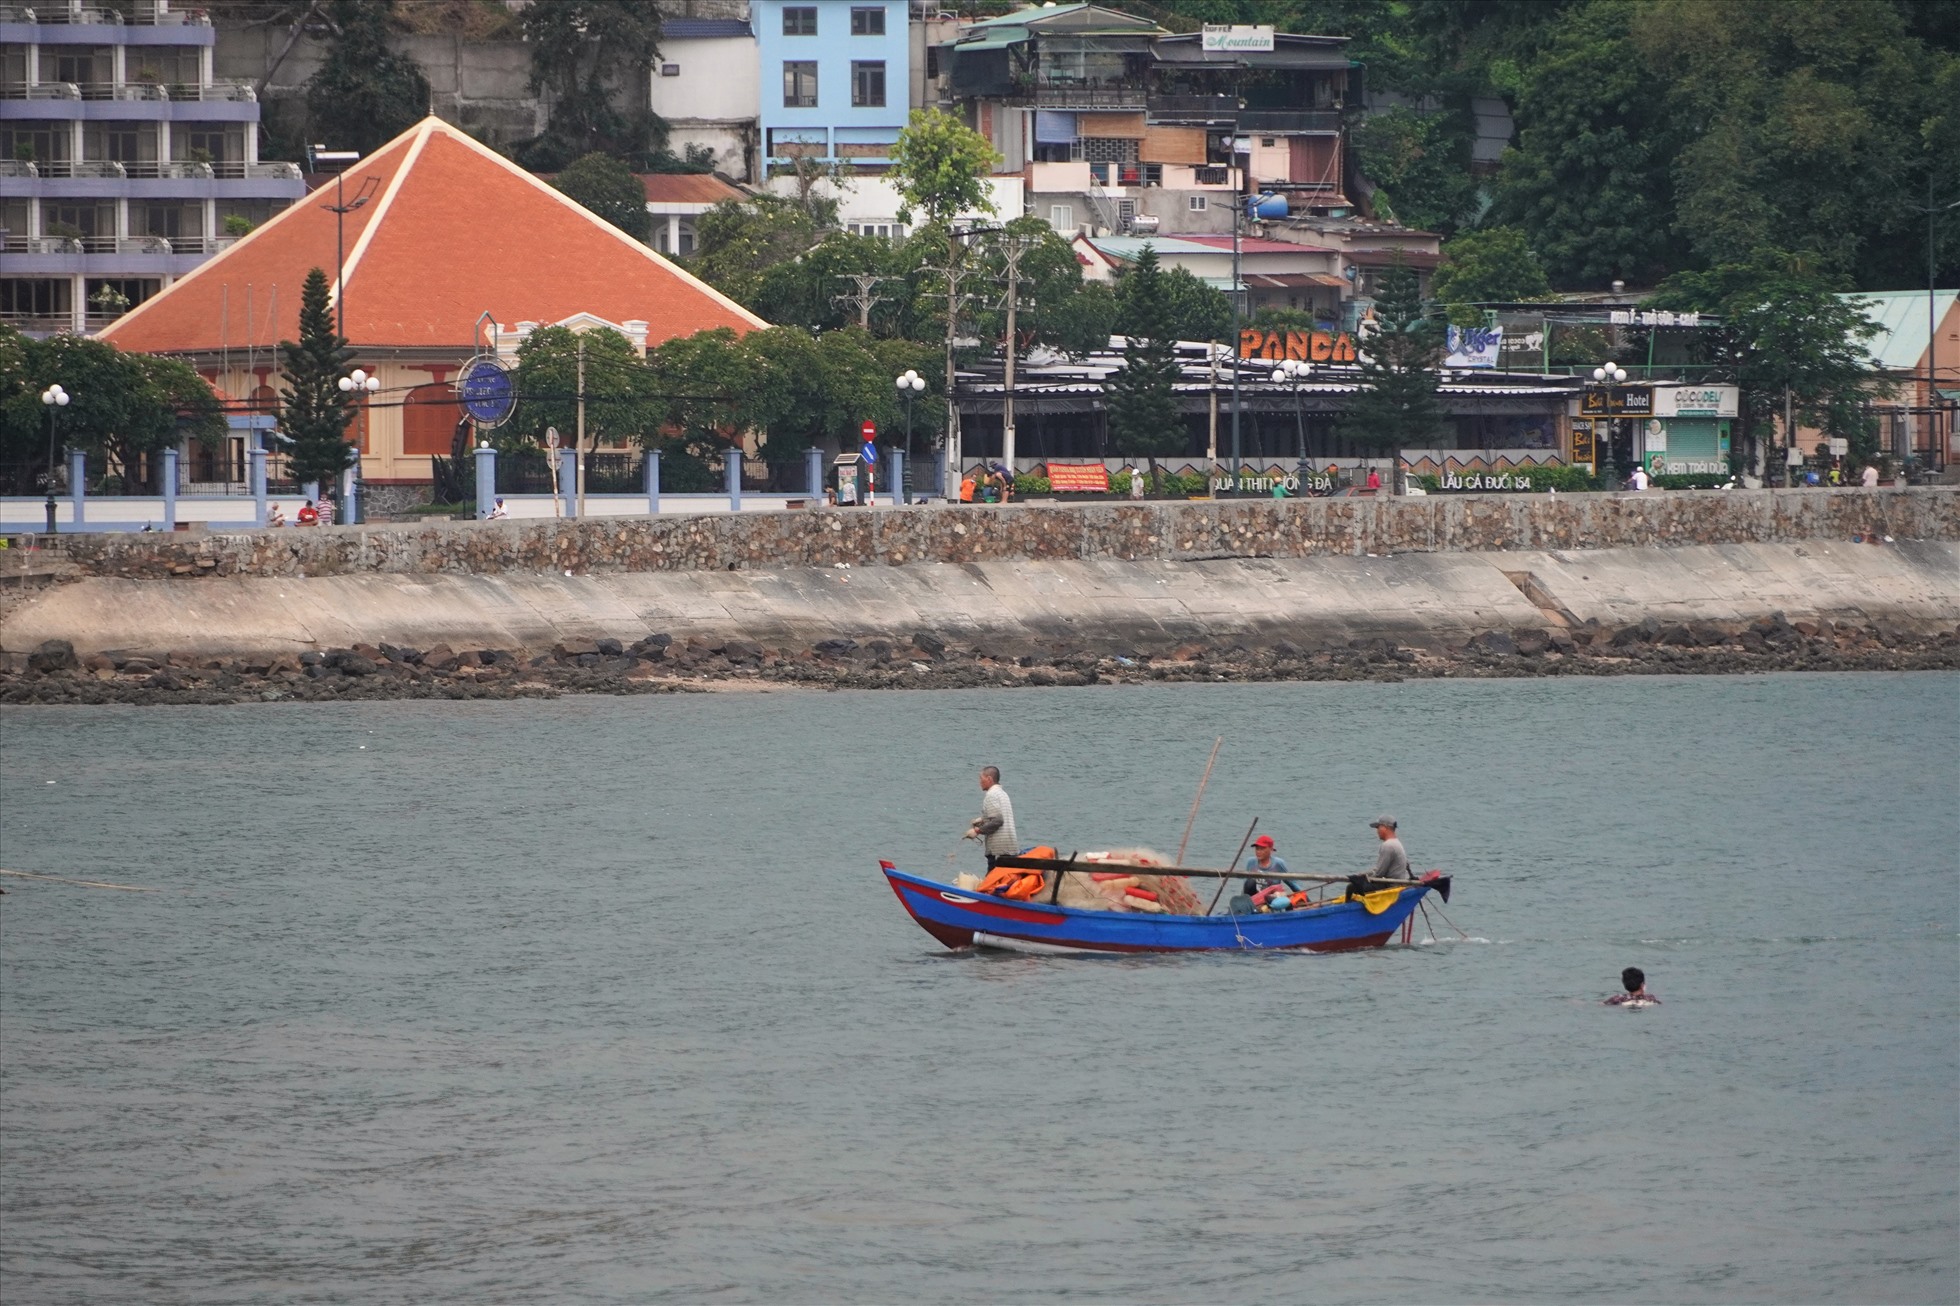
(1493,266)
(940,167)
(591,57)
(608,187)
(1396,407)
(364,93)
(1590,182)
(1809,130)
(737,243)
(313,412)
(621,393)
(1420,166)
(125,405)
(1782,331)
(1143,416)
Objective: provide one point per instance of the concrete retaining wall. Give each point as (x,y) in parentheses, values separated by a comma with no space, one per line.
(1164,532)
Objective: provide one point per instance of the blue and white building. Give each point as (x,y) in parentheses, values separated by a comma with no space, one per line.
(121,157)
(835,79)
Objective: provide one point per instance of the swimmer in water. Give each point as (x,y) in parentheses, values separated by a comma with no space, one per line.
(1635,981)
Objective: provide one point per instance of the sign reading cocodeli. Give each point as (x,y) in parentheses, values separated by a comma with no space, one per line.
(1307,346)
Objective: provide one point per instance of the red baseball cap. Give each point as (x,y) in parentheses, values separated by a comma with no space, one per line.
(1263,841)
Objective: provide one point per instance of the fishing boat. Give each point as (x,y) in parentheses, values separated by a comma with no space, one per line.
(1367,915)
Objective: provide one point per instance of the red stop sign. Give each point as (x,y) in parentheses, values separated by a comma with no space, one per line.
(869,431)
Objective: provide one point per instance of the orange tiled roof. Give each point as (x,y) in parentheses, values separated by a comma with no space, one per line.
(688,188)
(453,231)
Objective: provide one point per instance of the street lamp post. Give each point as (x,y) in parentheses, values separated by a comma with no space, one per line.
(52,398)
(909,386)
(1292,373)
(1606,376)
(340,208)
(359,383)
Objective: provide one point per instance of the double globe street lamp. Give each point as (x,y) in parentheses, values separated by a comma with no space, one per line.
(910,385)
(1609,374)
(1293,373)
(52,398)
(359,383)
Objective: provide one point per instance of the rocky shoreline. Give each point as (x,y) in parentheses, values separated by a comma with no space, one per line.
(54,674)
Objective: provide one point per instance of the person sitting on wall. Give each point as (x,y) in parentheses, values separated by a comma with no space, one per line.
(499,512)
(308,515)
(275,516)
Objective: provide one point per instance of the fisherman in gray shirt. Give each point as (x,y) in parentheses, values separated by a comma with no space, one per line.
(995,823)
(1392,861)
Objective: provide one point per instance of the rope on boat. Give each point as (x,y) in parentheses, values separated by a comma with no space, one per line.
(86,884)
(1446,920)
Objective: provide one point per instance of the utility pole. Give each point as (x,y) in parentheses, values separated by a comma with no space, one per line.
(578,438)
(864,297)
(955,272)
(1016,248)
(1211,435)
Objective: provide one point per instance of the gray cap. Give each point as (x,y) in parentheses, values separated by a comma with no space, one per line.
(1388,821)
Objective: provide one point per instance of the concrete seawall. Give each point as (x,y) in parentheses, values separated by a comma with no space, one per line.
(1423,573)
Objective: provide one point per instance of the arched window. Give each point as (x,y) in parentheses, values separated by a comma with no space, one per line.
(429,418)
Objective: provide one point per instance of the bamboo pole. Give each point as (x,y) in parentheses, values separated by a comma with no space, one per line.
(87,884)
(1191,820)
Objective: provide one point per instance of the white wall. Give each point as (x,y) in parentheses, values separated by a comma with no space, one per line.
(718,88)
(875,200)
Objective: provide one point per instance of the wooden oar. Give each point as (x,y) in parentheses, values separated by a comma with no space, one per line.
(1190,820)
(1200,872)
(86,884)
(1235,861)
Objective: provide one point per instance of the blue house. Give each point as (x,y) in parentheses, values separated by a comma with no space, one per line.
(835,79)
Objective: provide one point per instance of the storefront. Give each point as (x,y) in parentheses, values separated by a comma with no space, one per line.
(1688,434)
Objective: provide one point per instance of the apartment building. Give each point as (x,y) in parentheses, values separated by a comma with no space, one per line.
(835,78)
(123,163)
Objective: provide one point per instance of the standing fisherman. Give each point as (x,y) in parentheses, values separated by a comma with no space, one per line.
(995,824)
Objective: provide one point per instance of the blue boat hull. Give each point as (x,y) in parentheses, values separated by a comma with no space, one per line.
(962,918)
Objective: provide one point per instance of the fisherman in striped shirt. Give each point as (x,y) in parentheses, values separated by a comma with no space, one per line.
(995,823)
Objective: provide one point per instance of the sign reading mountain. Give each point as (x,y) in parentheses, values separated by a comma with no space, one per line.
(1219,36)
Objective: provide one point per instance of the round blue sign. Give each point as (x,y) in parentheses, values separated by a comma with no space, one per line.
(486,391)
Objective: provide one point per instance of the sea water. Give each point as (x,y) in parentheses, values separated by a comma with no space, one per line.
(604,1000)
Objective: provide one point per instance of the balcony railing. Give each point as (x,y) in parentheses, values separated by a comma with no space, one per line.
(42,324)
(1193,108)
(184,92)
(12,244)
(1064,95)
(54,11)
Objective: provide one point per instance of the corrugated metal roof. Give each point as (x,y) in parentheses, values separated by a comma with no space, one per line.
(1901,319)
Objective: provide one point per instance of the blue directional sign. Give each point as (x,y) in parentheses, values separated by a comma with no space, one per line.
(486,390)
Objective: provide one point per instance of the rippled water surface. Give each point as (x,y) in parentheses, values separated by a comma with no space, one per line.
(604,1000)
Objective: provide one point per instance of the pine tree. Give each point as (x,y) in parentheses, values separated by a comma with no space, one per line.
(313,412)
(1396,407)
(1143,415)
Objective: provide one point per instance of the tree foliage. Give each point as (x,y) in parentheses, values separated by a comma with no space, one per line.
(592,58)
(1143,415)
(1420,166)
(1396,407)
(940,167)
(621,400)
(364,93)
(1782,330)
(313,411)
(737,242)
(1173,302)
(608,187)
(124,405)
(1493,266)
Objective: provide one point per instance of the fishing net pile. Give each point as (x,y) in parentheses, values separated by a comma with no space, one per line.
(1124,881)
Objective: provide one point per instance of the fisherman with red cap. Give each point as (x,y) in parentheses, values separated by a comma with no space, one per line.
(1263,868)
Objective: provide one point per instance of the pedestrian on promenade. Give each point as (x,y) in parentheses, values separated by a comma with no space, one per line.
(1136,482)
(1391,860)
(1869,478)
(1374,480)
(995,824)
(326,508)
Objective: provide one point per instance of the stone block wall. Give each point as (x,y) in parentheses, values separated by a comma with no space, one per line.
(896,537)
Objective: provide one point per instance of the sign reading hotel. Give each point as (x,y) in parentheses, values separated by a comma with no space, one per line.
(1307,346)
(1236,36)
(1626,401)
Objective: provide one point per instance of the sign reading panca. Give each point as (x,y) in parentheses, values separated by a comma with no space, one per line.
(1307,346)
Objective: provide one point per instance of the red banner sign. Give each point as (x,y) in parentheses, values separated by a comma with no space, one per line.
(1307,346)
(1078,478)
